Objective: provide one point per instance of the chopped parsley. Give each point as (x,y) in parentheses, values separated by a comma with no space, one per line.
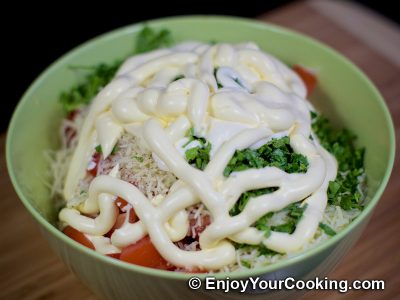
(261,249)
(100,75)
(236,79)
(246,196)
(296,211)
(344,190)
(276,153)
(294,214)
(178,77)
(198,156)
(262,224)
(288,227)
(245,263)
(239,82)
(138,158)
(327,229)
(100,150)
(219,85)
(149,39)
(83,93)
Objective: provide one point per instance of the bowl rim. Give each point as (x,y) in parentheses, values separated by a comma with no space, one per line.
(227,20)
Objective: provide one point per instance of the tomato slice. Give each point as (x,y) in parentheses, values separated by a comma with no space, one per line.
(132,216)
(120,221)
(78,237)
(114,255)
(309,78)
(143,253)
(121,203)
(95,160)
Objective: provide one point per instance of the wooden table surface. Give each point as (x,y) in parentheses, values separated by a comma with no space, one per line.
(30,270)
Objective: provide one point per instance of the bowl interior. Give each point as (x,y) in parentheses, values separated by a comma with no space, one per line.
(343,93)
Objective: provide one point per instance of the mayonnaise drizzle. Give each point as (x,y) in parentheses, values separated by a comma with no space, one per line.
(260,98)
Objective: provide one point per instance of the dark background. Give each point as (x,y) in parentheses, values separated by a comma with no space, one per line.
(33,37)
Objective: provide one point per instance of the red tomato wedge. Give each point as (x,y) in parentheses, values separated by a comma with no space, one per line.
(114,255)
(143,253)
(309,78)
(120,221)
(78,236)
(132,216)
(121,203)
(95,159)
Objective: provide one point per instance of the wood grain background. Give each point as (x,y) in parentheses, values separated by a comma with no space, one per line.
(30,270)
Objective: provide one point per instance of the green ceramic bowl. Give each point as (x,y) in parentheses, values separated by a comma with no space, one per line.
(344,93)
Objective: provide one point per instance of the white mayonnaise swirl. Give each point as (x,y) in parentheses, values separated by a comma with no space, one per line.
(236,96)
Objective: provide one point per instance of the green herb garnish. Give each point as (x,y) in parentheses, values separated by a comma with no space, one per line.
(178,77)
(344,190)
(100,75)
(288,227)
(294,214)
(261,248)
(138,158)
(296,210)
(246,196)
(245,263)
(100,150)
(276,153)
(237,80)
(262,224)
(327,229)
(198,156)
(219,85)
(95,80)
(149,39)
